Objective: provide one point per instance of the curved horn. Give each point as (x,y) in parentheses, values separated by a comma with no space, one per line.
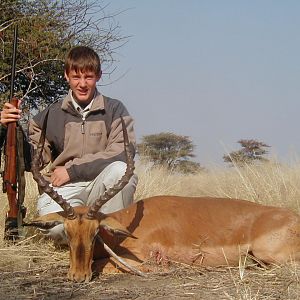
(111,192)
(41,181)
(119,259)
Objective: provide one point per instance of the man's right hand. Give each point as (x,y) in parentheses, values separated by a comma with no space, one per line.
(9,113)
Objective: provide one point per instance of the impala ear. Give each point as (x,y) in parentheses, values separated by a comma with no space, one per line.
(48,221)
(43,225)
(113,227)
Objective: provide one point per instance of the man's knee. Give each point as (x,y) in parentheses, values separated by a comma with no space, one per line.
(114,172)
(118,170)
(126,196)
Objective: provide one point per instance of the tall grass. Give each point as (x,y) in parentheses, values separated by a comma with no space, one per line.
(31,193)
(270,183)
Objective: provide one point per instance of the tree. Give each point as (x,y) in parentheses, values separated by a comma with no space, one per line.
(252,150)
(188,167)
(47,30)
(169,149)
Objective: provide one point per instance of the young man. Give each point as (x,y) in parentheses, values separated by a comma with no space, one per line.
(84,140)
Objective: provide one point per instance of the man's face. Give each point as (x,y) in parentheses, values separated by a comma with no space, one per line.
(83,85)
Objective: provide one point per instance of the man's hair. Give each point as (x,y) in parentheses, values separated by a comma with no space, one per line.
(82,58)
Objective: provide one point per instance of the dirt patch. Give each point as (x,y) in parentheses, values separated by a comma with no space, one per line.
(39,272)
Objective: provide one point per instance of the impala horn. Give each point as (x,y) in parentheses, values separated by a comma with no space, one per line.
(41,181)
(111,192)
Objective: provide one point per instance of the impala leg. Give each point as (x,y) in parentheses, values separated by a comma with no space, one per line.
(279,242)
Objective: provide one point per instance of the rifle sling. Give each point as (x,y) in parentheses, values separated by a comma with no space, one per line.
(20,167)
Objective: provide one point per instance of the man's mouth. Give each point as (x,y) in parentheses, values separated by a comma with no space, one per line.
(82,92)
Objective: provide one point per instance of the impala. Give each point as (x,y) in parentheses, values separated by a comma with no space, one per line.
(201,231)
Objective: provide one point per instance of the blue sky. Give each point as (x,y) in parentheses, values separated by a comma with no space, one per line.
(216,71)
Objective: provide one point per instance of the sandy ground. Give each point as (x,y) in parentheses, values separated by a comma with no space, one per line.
(38,271)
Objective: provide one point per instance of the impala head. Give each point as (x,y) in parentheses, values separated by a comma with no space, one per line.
(81,224)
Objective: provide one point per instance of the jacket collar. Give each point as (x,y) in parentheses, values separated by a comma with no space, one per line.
(98,103)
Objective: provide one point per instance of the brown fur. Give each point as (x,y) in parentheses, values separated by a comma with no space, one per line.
(197,231)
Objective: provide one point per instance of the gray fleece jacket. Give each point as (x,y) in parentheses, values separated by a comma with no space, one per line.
(85,146)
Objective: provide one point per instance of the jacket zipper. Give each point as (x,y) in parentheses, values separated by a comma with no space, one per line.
(82,127)
(82,124)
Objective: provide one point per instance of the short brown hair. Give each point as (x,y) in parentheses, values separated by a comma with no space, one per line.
(82,58)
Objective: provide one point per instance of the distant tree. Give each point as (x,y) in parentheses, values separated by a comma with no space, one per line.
(47,30)
(171,150)
(252,151)
(188,167)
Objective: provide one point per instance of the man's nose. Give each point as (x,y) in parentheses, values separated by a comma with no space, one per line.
(82,82)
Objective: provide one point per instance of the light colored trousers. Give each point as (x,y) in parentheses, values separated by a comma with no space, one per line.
(86,193)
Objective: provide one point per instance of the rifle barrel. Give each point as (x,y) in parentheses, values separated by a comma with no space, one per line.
(13,64)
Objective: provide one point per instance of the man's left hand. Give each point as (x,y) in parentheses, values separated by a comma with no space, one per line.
(60,176)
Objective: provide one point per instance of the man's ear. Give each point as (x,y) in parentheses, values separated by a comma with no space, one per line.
(99,75)
(66,76)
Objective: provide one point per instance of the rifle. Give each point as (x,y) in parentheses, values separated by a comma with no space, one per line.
(16,213)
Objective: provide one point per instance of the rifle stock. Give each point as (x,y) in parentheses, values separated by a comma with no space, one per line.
(10,179)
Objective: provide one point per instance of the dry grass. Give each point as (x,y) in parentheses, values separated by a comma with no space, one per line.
(35,260)
(271,183)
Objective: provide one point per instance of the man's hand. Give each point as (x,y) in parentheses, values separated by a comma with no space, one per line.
(10,113)
(60,176)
